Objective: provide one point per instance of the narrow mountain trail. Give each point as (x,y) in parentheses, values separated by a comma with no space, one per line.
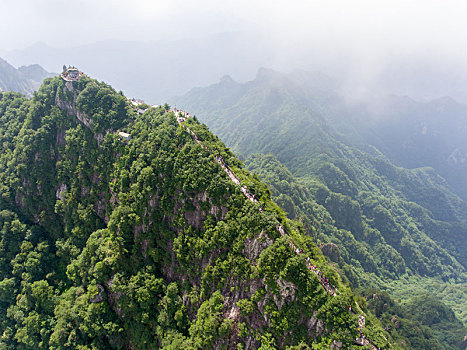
(330,289)
(323,280)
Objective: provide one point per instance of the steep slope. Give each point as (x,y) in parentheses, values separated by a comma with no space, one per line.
(269,116)
(25,79)
(388,222)
(157,240)
(365,263)
(411,134)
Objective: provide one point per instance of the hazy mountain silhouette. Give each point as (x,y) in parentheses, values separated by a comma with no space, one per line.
(25,79)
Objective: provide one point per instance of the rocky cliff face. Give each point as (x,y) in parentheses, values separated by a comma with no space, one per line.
(149,243)
(69,106)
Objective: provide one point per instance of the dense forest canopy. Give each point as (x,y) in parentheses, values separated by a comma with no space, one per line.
(398,229)
(146,242)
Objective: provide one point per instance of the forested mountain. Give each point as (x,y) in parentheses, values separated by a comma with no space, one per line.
(409,133)
(25,79)
(124,229)
(332,163)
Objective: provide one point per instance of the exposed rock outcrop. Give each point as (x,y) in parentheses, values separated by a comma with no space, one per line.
(330,250)
(254,247)
(70,107)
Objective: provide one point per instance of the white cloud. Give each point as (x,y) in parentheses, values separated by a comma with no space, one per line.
(358,25)
(361,33)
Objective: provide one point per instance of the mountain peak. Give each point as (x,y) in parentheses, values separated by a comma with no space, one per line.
(138,238)
(227,79)
(267,74)
(24,80)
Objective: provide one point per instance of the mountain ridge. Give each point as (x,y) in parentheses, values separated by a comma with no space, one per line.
(25,79)
(146,239)
(378,214)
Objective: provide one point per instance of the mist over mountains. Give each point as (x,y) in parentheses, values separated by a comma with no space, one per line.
(159,70)
(166,192)
(154,71)
(155,241)
(411,134)
(120,229)
(372,182)
(385,177)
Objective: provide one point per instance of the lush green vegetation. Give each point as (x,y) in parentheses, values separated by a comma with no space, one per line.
(385,226)
(381,232)
(422,320)
(335,220)
(146,243)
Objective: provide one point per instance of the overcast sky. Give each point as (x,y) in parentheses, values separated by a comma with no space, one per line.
(365,33)
(381,26)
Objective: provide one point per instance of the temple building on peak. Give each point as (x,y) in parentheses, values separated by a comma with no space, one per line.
(70,73)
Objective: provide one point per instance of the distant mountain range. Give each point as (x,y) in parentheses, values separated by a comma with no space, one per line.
(25,79)
(385,176)
(157,70)
(411,134)
(154,71)
(124,227)
(155,241)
